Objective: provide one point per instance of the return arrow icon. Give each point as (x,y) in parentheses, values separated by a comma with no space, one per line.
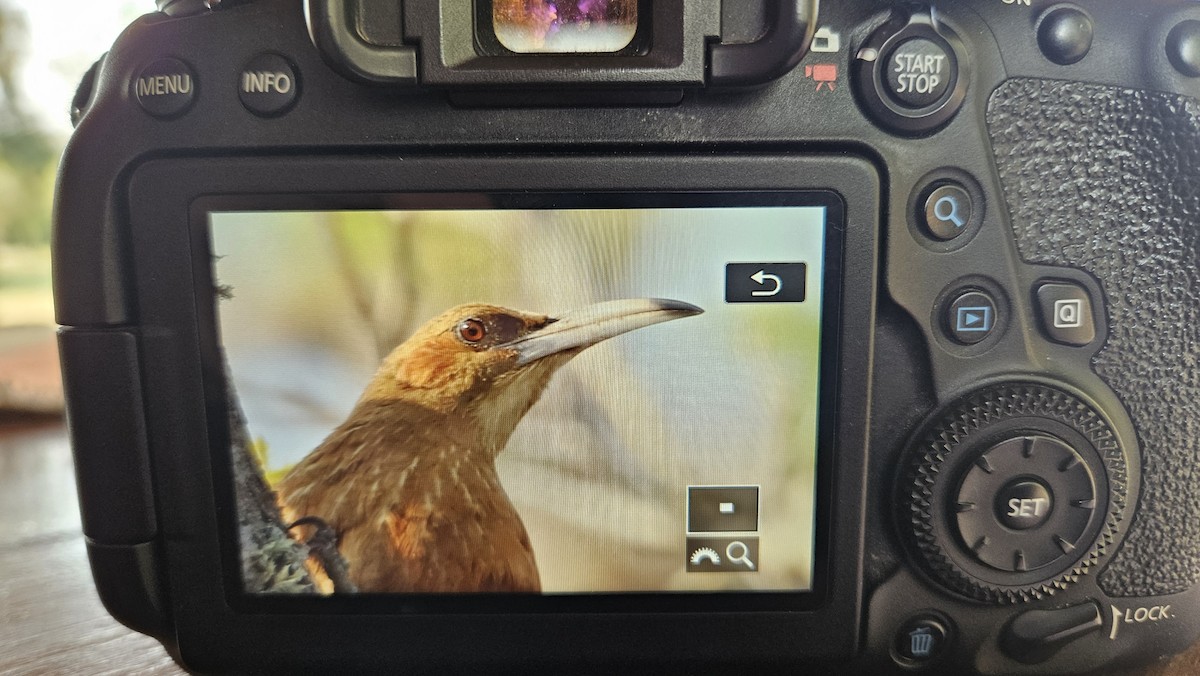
(764,282)
(761,277)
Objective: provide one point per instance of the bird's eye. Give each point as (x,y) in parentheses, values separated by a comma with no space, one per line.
(472,330)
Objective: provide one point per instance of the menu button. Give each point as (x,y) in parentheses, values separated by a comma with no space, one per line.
(165,88)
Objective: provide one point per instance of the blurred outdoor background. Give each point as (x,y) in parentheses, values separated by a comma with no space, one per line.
(52,622)
(599,467)
(44,49)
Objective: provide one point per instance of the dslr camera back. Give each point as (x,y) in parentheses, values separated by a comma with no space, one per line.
(695,336)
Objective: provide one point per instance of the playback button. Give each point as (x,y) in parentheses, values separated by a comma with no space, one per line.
(971,317)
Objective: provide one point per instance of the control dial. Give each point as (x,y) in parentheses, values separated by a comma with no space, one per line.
(1014,492)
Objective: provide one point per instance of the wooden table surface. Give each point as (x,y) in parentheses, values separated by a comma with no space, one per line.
(51,621)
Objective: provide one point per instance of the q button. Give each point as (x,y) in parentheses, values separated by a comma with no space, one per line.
(947,212)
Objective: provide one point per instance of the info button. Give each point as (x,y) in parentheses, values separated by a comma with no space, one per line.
(268,85)
(765,282)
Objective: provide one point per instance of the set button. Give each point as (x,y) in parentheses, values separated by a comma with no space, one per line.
(1025,503)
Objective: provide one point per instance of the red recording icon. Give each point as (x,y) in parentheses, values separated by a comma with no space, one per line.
(825,74)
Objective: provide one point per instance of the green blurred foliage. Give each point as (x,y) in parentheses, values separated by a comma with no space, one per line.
(27,153)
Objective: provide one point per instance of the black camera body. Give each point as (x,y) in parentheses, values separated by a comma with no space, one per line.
(1005,469)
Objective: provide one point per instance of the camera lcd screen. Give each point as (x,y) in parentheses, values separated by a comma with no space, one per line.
(469,394)
(564,26)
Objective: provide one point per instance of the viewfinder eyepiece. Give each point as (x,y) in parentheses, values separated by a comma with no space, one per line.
(644,51)
(564,26)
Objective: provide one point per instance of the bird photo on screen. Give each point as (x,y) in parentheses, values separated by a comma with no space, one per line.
(407,484)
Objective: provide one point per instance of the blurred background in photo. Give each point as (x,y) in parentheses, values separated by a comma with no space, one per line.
(44,49)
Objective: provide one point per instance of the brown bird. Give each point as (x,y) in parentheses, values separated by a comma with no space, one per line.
(408,482)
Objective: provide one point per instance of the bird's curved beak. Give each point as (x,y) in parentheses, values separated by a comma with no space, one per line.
(589,325)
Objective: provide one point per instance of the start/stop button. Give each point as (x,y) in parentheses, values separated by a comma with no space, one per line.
(911,74)
(918,73)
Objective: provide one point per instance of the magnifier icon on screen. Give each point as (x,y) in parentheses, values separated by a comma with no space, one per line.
(946,209)
(743,555)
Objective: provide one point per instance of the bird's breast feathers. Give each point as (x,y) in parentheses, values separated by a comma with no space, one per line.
(424,547)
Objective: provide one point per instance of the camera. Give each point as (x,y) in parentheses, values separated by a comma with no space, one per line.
(652,335)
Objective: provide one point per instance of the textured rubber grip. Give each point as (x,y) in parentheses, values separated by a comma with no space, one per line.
(1107,180)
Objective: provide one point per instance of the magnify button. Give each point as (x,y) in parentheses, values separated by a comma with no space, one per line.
(737,552)
(948,212)
(946,209)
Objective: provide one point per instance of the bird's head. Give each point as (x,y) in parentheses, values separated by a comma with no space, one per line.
(489,364)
